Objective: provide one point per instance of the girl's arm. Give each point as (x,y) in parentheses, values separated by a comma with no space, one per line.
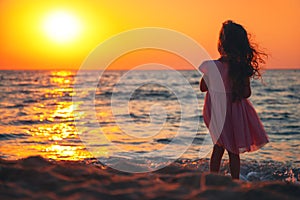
(203,86)
(247,91)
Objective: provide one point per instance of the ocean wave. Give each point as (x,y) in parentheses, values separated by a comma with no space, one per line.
(12,136)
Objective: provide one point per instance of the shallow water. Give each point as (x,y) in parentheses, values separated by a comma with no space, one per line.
(37,115)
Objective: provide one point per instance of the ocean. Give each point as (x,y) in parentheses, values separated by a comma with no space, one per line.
(40,116)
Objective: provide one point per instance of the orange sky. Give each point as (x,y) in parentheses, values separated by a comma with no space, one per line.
(26,45)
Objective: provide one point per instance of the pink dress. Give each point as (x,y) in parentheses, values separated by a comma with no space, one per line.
(232,125)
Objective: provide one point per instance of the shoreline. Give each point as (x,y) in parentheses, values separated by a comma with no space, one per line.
(36,177)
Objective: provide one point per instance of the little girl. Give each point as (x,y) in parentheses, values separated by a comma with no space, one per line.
(242,130)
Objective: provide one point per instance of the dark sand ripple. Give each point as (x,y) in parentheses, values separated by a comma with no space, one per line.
(37,178)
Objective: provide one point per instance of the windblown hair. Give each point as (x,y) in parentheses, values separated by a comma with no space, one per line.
(244,58)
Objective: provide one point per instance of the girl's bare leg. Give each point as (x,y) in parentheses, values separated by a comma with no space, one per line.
(234,163)
(216,158)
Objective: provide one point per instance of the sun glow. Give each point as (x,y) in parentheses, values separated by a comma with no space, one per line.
(61,26)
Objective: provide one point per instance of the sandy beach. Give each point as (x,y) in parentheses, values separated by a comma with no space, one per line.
(38,178)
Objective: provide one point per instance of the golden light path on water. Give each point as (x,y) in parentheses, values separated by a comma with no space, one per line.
(55,136)
(55,140)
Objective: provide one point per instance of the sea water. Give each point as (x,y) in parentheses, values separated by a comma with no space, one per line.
(38,109)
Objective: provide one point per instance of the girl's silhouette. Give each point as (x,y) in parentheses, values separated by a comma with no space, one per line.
(242,130)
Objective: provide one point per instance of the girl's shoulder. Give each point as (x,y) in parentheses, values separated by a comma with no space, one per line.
(209,64)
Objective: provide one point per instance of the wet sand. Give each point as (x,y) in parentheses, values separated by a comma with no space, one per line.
(38,178)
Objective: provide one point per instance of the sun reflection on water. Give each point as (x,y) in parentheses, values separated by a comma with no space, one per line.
(46,126)
(61,152)
(60,136)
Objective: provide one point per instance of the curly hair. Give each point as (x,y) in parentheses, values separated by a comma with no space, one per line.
(244,58)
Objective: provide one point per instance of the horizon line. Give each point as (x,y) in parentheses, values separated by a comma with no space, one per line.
(28,69)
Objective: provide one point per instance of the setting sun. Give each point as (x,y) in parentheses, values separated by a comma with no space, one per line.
(61,26)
